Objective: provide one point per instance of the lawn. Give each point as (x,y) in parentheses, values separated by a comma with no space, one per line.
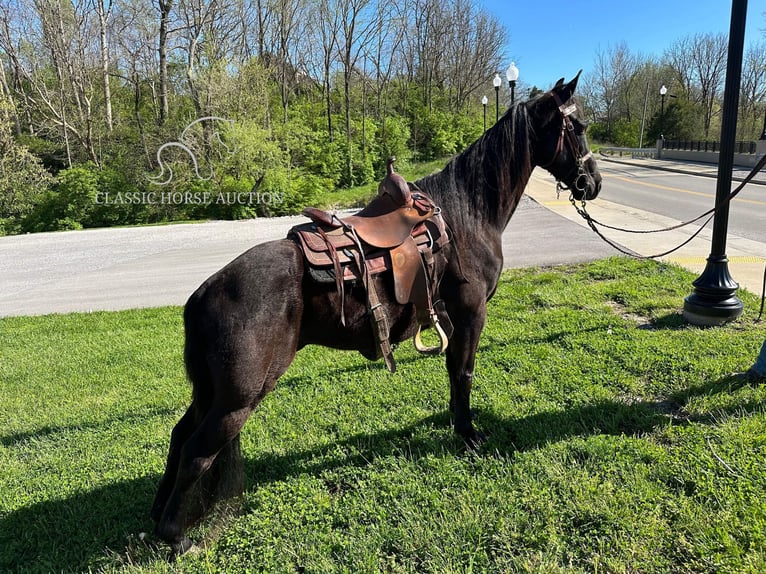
(620,440)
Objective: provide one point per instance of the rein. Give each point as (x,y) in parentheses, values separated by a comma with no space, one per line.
(710,213)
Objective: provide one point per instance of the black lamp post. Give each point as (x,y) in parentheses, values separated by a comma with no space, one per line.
(484,104)
(663,91)
(512,74)
(763,132)
(714,300)
(496,82)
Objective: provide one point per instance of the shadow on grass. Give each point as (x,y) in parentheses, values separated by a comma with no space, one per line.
(68,535)
(79,532)
(14,439)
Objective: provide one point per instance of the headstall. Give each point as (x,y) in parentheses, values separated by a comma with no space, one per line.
(567,136)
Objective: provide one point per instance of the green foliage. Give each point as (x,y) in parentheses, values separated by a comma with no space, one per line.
(86,196)
(619,441)
(395,135)
(440,133)
(681,121)
(627,133)
(622,133)
(23,179)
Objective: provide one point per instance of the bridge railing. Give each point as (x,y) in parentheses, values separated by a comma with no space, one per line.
(743,147)
(633,152)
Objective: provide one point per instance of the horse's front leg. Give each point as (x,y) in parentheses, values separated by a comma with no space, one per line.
(461,357)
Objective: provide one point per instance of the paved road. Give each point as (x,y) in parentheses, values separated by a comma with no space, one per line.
(682,197)
(111,269)
(634,197)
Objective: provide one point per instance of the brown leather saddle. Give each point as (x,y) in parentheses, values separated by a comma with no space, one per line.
(399,230)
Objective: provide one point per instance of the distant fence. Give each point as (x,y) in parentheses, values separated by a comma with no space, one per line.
(743,147)
(746,153)
(634,152)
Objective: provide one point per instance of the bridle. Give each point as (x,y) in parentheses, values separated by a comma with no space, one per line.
(567,137)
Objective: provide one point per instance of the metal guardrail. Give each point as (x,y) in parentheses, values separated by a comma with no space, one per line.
(744,147)
(633,152)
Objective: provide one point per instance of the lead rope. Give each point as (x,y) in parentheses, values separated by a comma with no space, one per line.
(593,223)
(763,296)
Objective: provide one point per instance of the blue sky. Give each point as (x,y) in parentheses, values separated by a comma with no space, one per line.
(553,38)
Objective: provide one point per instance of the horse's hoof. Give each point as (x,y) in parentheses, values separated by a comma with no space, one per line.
(474,440)
(180,548)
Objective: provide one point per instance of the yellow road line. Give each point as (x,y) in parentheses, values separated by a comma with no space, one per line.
(680,190)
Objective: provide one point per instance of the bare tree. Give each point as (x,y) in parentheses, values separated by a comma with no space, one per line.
(357,23)
(135,31)
(325,33)
(699,63)
(104,11)
(709,61)
(475,40)
(289,27)
(753,92)
(165,8)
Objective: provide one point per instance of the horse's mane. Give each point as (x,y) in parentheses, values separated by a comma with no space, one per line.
(484,183)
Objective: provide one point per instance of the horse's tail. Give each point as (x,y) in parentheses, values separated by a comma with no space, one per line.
(225,478)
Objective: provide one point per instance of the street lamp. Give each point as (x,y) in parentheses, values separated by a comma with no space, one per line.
(512,74)
(484,103)
(496,82)
(714,300)
(663,91)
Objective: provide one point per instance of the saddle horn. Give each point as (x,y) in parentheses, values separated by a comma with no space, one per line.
(395,186)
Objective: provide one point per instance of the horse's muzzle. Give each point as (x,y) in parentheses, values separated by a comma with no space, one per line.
(586,186)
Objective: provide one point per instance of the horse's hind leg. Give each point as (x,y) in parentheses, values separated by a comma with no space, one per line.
(181,433)
(219,428)
(238,390)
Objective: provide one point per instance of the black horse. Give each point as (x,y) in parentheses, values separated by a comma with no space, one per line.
(245,324)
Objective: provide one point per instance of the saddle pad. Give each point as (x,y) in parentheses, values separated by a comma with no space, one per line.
(318,253)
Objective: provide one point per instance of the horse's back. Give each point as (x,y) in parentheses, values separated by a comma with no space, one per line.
(253,276)
(241,306)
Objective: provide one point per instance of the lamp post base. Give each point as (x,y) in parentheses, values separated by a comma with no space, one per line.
(714,300)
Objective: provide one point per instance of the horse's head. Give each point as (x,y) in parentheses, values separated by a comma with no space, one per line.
(559,141)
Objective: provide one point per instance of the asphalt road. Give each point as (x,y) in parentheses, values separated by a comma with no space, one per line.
(125,268)
(683,197)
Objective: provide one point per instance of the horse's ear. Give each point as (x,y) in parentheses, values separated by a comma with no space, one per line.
(573,84)
(565,92)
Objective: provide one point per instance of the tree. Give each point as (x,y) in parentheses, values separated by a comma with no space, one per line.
(23,180)
(356,25)
(164,7)
(699,64)
(678,122)
(104,11)
(752,99)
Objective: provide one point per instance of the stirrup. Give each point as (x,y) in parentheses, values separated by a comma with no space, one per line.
(436,349)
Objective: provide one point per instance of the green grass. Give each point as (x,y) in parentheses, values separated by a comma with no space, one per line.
(620,440)
(359,196)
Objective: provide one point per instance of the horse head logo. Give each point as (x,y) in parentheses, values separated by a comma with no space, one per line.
(185,143)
